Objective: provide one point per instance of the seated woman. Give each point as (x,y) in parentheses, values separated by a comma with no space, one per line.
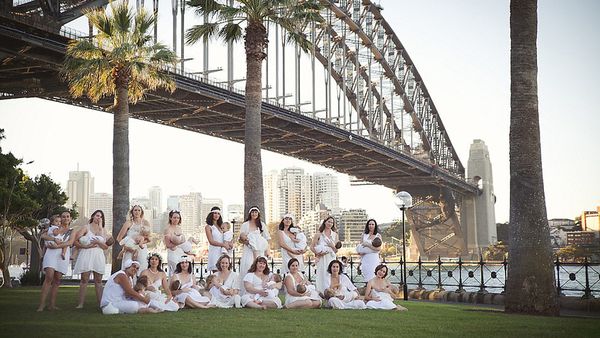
(226,292)
(339,291)
(157,278)
(299,292)
(187,293)
(119,295)
(256,294)
(378,293)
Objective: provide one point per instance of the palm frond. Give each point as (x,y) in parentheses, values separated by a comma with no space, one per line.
(231,32)
(198,32)
(209,8)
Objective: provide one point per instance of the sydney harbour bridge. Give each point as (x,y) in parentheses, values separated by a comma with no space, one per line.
(356,104)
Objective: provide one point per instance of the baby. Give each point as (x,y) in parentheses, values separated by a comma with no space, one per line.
(214,285)
(300,241)
(135,242)
(175,285)
(301,288)
(227,237)
(325,248)
(363,247)
(270,288)
(257,242)
(140,287)
(58,237)
(331,293)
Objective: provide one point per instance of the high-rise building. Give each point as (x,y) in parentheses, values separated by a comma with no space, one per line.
(173,203)
(326,191)
(143,202)
(296,193)
(353,222)
(155,194)
(310,222)
(209,203)
(271,188)
(79,188)
(235,213)
(103,201)
(190,206)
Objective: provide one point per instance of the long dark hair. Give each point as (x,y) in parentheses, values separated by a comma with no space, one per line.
(261,259)
(209,217)
(101,213)
(258,222)
(173,212)
(375,231)
(335,261)
(322,227)
(189,269)
(282,226)
(154,254)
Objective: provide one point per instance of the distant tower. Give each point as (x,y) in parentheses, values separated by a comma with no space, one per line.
(479,170)
(79,188)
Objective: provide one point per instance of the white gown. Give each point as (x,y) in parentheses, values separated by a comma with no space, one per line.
(247,254)
(286,256)
(324,261)
(386,301)
(173,257)
(370,259)
(247,297)
(349,292)
(159,299)
(114,294)
(142,253)
(226,301)
(214,252)
(91,259)
(313,294)
(192,293)
(52,258)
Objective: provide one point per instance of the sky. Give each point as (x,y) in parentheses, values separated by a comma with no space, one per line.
(462,51)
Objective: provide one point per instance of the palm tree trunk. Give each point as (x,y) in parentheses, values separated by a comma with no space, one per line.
(531,286)
(255,43)
(120,166)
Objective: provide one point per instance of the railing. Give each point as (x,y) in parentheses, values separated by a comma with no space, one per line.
(572,279)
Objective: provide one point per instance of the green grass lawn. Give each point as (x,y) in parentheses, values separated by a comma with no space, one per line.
(19,319)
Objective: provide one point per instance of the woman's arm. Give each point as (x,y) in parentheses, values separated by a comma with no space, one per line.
(123,281)
(368,291)
(209,237)
(281,239)
(251,289)
(123,231)
(314,242)
(291,288)
(165,286)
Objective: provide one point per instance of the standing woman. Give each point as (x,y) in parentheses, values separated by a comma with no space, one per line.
(132,228)
(252,223)
(288,251)
(325,237)
(174,251)
(54,265)
(369,254)
(91,241)
(157,279)
(214,235)
(229,292)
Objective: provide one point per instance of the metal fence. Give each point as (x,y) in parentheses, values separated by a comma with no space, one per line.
(572,279)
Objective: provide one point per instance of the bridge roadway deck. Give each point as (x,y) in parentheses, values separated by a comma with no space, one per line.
(30,60)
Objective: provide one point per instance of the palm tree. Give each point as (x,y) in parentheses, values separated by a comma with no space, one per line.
(254,15)
(122,62)
(530,287)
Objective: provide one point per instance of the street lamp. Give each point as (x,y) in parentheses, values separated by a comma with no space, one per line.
(403,201)
(233,252)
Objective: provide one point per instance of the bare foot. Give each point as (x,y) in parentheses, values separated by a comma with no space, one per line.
(53,308)
(80,306)
(40,309)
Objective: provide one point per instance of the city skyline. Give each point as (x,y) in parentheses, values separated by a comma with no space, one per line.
(462,52)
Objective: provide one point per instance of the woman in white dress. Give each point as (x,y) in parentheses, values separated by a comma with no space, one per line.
(286,242)
(228,295)
(54,265)
(214,235)
(174,251)
(309,299)
(255,294)
(379,291)
(345,293)
(157,279)
(252,224)
(91,241)
(132,228)
(369,254)
(326,237)
(188,294)
(119,295)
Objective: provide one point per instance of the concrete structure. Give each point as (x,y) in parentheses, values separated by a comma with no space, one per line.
(271,190)
(155,194)
(173,203)
(478,217)
(79,188)
(591,222)
(190,206)
(326,191)
(102,201)
(352,222)
(579,238)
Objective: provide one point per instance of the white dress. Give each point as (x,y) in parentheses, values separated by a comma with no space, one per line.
(247,254)
(349,291)
(114,294)
(286,256)
(91,259)
(386,301)
(159,299)
(52,258)
(226,301)
(192,293)
(369,260)
(257,283)
(142,253)
(214,252)
(322,274)
(173,257)
(312,295)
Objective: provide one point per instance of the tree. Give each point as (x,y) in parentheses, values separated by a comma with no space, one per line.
(226,23)
(122,62)
(16,206)
(495,252)
(531,286)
